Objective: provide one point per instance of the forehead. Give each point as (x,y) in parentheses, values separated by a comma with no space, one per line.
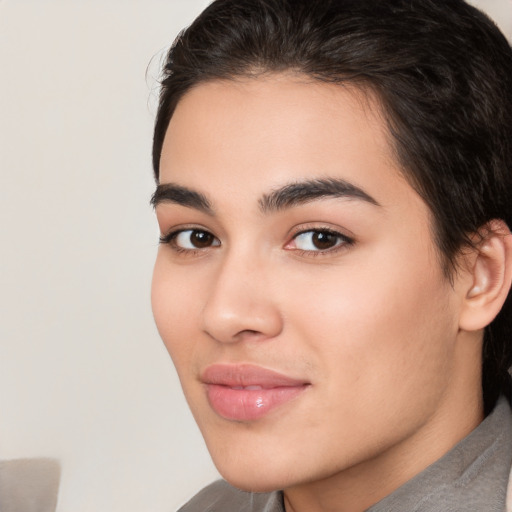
(252,135)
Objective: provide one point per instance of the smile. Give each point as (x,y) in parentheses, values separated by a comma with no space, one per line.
(247,392)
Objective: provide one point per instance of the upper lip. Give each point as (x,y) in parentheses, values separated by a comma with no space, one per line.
(245,375)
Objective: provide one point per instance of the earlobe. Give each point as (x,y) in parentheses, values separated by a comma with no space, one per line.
(490,277)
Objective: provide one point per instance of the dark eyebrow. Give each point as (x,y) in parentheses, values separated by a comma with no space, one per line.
(172,193)
(302,192)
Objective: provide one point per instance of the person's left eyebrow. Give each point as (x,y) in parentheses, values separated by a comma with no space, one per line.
(295,194)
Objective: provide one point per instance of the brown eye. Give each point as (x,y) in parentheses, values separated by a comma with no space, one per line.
(318,240)
(324,240)
(201,239)
(190,239)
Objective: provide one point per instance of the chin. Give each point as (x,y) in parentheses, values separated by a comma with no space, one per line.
(253,475)
(255,482)
(261,476)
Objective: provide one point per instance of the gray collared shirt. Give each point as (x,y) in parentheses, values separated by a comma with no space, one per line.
(472,476)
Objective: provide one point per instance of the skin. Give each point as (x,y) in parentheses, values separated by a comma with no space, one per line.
(372,325)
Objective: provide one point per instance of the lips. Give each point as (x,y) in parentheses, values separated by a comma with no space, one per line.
(247,392)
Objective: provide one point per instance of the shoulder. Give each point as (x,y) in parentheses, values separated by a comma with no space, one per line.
(220,496)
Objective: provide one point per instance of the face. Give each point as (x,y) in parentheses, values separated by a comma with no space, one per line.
(297,286)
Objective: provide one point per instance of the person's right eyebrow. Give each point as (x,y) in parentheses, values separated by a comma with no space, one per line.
(177,194)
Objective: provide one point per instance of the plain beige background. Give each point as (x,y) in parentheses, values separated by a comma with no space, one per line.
(84,377)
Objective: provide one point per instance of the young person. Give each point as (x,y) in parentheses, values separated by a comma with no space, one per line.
(334,195)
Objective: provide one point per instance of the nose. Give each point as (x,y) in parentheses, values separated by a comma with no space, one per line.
(241,303)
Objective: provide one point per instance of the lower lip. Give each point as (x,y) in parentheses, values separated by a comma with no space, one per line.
(249,404)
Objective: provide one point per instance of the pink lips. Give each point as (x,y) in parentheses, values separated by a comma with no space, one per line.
(246,392)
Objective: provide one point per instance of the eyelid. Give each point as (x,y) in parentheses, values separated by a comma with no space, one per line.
(324,227)
(345,240)
(171,235)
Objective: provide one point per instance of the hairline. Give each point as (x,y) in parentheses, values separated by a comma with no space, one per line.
(372,100)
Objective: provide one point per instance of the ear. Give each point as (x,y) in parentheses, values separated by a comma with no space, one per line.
(489,277)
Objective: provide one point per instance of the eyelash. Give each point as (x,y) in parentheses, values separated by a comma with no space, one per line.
(170,239)
(343,241)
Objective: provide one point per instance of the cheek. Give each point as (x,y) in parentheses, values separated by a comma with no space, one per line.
(378,325)
(171,309)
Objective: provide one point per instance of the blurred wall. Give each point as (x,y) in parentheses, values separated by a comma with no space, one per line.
(84,377)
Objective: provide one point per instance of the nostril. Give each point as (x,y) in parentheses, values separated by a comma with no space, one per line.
(252,334)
